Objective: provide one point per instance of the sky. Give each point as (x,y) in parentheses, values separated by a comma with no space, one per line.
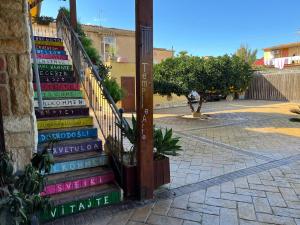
(201,27)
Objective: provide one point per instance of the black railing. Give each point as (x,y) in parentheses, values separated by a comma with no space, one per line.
(98,98)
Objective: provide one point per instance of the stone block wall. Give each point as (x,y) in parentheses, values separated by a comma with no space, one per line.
(16,90)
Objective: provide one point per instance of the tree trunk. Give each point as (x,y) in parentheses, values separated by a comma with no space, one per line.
(200,104)
(191,105)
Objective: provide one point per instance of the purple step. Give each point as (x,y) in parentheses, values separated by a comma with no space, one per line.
(72,147)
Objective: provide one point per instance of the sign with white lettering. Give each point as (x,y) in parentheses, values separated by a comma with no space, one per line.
(61,112)
(81,205)
(44,137)
(78,184)
(62,167)
(53,61)
(40,38)
(61,103)
(50,52)
(58,86)
(54,67)
(48,56)
(60,94)
(53,79)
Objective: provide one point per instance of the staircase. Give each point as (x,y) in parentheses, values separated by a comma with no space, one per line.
(81,178)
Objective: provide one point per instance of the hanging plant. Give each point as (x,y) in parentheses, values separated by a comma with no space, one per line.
(44,20)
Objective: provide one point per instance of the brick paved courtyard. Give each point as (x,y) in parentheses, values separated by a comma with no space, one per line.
(240,166)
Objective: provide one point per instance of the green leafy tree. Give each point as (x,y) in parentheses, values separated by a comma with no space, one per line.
(213,75)
(247,54)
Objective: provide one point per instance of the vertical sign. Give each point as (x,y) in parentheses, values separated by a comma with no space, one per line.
(144,94)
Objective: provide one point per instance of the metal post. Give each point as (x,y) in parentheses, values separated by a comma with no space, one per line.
(144,93)
(73,14)
(36,69)
(2,138)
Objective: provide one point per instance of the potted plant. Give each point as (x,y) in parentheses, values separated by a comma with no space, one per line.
(297,112)
(164,144)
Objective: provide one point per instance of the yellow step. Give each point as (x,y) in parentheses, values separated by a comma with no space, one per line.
(64,123)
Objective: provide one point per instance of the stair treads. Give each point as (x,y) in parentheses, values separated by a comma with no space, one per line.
(81,200)
(53,61)
(48,47)
(49,43)
(58,86)
(61,112)
(74,146)
(61,103)
(54,67)
(51,52)
(42,38)
(53,79)
(66,134)
(59,94)
(78,181)
(64,123)
(82,163)
(81,155)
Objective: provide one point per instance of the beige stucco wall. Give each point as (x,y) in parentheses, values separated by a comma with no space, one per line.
(16,89)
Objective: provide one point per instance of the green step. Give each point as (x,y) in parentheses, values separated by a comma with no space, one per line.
(59,94)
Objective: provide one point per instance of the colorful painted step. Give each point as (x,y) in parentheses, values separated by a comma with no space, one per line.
(78,162)
(53,61)
(55,73)
(41,38)
(61,103)
(50,52)
(45,124)
(75,180)
(61,112)
(82,200)
(54,67)
(48,56)
(52,79)
(59,94)
(73,147)
(58,87)
(66,134)
(51,48)
(49,43)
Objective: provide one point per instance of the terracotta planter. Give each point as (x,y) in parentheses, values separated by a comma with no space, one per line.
(161,172)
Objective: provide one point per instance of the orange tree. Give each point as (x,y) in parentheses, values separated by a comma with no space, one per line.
(212,75)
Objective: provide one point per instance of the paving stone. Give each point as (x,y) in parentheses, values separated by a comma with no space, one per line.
(185,214)
(288,194)
(254,193)
(293,204)
(247,222)
(134,223)
(198,196)
(121,218)
(208,219)
(213,192)
(221,203)
(295,213)
(228,187)
(267,218)
(262,205)
(162,207)
(180,202)
(275,199)
(228,217)
(163,220)
(187,222)
(141,214)
(264,188)
(246,211)
(208,209)
(236,197)
(241,183)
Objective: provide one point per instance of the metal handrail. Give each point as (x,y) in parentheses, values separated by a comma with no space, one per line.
(106,112)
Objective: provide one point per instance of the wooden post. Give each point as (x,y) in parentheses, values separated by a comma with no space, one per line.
(144,93)
(73,14)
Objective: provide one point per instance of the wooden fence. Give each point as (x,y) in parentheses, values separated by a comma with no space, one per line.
(275,87)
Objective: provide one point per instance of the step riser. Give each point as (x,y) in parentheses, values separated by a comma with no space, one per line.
(54,67)
(58,57)
(50,48)
(58,87)
(44,137)
(64,123)
(61,103)
(56,73)
(53,62)
(49,43)
(50,52)
(62,167)
(45,79)
(52,39)
(49,113)
(81,205)
(78,184)
(59,94)
(59,150)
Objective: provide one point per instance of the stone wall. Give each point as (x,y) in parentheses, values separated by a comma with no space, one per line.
(16,89)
